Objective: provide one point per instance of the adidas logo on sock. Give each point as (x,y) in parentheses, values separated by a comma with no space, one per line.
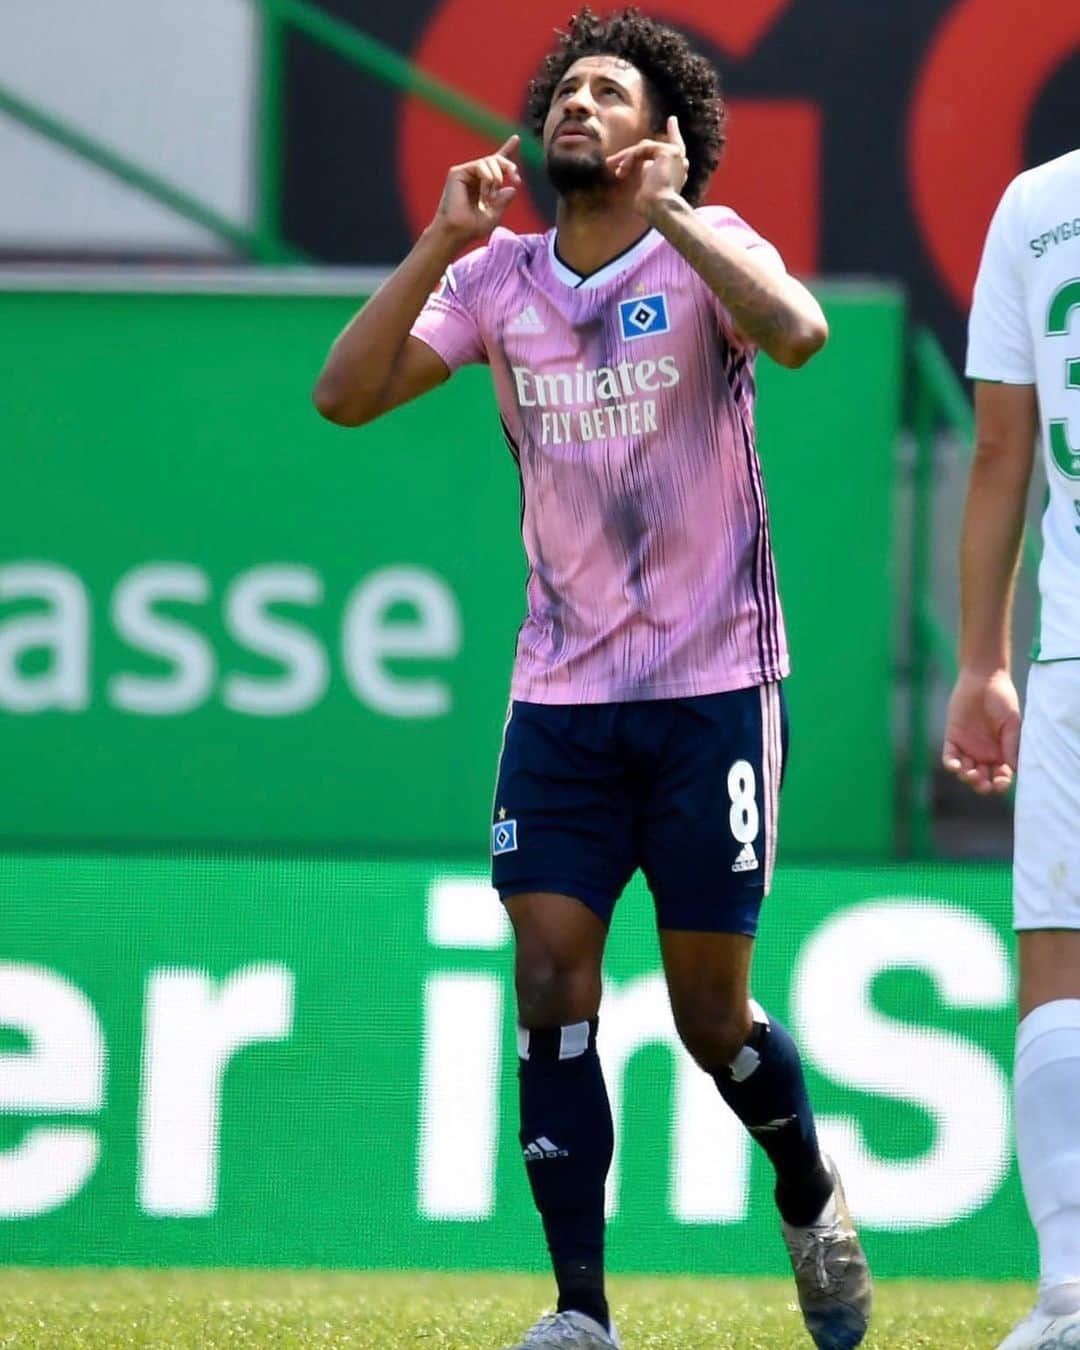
(543,1148)
(772,1126)
(746,861)
(528,321)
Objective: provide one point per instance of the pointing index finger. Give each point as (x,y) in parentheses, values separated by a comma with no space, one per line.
(674,134)
(509,146)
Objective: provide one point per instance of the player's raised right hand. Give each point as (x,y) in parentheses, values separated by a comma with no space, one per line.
(477,194)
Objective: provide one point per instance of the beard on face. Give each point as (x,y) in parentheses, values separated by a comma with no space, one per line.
(575,171)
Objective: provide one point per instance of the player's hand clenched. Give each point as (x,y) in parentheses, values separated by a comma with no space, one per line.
(661,163)
(982,730)
(477,194)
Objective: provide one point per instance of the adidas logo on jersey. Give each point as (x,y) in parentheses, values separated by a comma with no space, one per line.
(543,1148)
(528,321)
(746,861)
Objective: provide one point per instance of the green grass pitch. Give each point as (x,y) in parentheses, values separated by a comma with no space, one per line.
(203,1310)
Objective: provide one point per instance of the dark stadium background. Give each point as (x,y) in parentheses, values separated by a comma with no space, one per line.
(865,138)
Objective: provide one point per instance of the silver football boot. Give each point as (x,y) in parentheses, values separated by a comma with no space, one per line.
(567,1331)
(831,1276)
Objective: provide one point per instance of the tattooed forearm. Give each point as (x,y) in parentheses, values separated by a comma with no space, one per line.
(752,300)
(770,309)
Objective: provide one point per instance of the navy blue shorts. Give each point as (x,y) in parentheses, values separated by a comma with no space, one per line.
(686,789)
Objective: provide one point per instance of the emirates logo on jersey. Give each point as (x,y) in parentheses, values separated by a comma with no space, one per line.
(596,405)
(581,386)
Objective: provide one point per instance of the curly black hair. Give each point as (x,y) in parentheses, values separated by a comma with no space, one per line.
(680,82)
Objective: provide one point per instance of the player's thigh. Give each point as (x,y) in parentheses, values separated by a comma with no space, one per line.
(562,819)
(558,952)
(708,833)
(1046,849)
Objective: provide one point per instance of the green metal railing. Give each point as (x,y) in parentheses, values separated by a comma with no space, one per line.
(143,180)
(373,57)
(265,243)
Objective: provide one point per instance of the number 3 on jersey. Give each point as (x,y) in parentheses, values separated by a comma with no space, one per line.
(1064,302)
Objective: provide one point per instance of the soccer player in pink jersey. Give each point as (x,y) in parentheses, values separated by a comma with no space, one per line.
(647,725)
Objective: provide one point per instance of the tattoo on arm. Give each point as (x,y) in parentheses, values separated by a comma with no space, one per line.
(766,307)
(761,315)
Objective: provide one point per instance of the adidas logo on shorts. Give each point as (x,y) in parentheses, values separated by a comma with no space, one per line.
(543,1148)
(746,861)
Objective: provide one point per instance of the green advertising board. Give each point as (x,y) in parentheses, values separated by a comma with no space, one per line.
(236,1061)
(225,622)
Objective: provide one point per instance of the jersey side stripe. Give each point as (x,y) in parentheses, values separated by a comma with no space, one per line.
(765,579)
(769,571)
(512,446)
(758,589)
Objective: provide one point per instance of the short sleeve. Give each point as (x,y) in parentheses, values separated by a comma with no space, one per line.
(999,336)
(447,323)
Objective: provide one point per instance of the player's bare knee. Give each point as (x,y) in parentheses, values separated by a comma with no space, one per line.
(552,992)
(713,1033)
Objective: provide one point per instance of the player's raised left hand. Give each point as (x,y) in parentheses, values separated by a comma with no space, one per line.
(660,163)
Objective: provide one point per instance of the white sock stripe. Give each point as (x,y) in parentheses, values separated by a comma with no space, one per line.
(747,1060)
(744,1064)
(574,1040)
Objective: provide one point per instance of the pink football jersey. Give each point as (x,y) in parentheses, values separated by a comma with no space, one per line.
(627,401)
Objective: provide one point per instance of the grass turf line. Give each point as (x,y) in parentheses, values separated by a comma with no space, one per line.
(205,1310)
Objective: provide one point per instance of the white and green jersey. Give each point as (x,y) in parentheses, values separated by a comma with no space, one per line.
(1025,329)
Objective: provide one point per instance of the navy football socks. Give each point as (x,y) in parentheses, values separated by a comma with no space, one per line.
(567,1141)
(764,1086)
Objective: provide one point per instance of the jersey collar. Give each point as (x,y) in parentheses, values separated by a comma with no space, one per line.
(619,264)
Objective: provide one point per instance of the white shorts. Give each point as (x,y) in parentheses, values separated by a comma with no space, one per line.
(1046,854)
